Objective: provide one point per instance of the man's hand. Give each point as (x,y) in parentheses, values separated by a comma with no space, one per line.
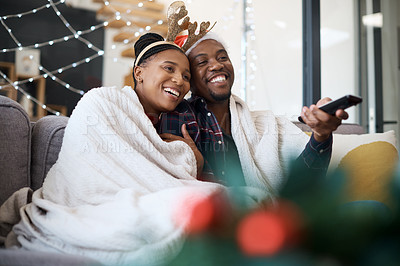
(189,141)
(321,123)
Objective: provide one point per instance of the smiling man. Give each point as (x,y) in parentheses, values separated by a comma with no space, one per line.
(238,146)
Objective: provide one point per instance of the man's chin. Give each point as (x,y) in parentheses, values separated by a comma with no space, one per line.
(221,97)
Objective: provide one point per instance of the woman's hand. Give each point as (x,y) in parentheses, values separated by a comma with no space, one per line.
(189,141)
(322,123)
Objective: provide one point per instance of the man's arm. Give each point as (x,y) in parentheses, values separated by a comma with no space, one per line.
(316,156)
(322,123)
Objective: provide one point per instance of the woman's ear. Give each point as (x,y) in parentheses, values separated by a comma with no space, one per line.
(137,73)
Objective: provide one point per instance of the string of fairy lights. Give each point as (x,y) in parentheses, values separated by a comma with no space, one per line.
(97,52)
(249,56)
(46,73)
(75,35)
(130,26)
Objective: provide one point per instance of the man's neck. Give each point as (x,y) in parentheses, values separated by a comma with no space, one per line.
(222,114)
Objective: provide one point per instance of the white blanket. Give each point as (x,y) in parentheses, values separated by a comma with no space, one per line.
(117,192)
(266,144)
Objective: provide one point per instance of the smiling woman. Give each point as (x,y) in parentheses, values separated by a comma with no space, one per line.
(161,74)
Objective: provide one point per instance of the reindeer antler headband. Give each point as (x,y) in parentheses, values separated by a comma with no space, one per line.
(177,11)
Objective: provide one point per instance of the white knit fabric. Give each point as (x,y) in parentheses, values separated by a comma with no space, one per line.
(266,144)
(116,189)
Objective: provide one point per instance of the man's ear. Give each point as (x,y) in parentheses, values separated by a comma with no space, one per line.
(137,73)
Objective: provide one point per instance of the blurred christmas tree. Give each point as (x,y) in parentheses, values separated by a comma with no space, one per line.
(311,223)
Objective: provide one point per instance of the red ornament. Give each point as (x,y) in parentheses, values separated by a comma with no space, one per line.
(261,233)
(202,216)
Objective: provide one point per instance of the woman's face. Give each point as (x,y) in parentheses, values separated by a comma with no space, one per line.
(163,81)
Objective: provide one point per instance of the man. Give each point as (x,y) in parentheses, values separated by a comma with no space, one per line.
(234,149)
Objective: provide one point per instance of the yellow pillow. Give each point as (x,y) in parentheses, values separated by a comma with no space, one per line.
(369,160)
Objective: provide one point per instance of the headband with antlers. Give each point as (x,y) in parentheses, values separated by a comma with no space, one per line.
(177,11)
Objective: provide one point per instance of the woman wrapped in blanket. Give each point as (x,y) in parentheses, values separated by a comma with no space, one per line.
(118,193)
(162,78)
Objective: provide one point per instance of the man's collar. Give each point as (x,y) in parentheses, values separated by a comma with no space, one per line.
(195,100)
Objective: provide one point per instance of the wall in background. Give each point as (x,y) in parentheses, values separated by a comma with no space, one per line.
(276,83)
(339,51)
(45,26)
(391,64)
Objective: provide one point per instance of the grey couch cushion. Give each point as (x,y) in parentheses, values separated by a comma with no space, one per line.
(47,136)
(15,143)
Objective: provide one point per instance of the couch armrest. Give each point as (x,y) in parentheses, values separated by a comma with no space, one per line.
(345,128)
(47,136)
(15,155)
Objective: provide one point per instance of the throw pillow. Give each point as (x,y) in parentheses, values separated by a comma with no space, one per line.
(369,161)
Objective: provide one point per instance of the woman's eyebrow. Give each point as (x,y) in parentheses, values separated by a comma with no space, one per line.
(175,64)
(170,62)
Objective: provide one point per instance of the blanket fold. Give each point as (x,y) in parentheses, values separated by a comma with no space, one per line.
(266,144)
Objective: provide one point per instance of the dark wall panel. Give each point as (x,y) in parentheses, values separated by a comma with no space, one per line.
(45,26)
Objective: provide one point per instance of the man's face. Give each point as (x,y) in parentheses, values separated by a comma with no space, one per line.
(212,71)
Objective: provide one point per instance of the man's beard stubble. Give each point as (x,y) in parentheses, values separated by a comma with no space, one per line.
(220,97)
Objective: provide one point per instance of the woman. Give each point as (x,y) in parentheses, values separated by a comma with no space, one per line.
(162,78)
(118,193)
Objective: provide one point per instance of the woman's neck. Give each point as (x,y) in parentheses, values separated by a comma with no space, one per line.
(149,111)
(153,118)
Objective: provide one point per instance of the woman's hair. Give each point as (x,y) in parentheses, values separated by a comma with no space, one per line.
(144,41)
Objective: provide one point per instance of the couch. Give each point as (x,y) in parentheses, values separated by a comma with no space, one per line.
(28,150)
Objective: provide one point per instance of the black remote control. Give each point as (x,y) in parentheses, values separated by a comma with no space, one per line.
(341,103)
